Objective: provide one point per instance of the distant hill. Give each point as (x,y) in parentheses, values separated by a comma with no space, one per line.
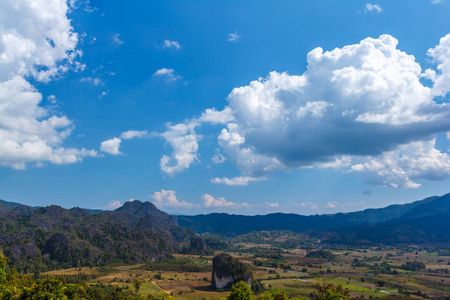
(50,237)
(428,223)
(422,221)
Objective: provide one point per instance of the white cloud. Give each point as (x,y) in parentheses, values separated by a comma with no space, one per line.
(436,1)
(114,204)
(399,168)
(357,108)
(373,8)
(368,94)
(115,39)
(233,37)
(274,205)
(168,44)
(218,158)
(94,81)
(210,201)
(130,134)
(331,204)
(240,180)
(311,205)
(441,55)
(169,199)
(168,74)
(38,43)
(103,94)
(75,4)
(111,146)
(184,140)
(214,116)
(51,99)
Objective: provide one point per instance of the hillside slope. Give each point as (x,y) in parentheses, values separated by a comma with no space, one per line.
(50,237)
(234,225)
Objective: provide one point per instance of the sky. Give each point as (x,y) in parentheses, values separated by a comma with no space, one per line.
(244,107)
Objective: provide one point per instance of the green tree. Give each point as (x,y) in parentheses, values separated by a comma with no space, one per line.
(278,295)
(2,268)
(48,289)
(331,292)
(240,291)
(137,285)
(7,288)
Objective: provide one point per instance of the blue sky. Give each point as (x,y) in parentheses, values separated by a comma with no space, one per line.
(246,107)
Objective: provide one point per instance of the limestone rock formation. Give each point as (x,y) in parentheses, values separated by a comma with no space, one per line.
(228,270)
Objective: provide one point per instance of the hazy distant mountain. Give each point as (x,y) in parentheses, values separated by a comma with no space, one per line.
(49,237)
(425,215)
(427,223)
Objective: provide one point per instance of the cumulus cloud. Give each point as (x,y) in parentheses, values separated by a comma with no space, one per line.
(361,108)
(240,180)
(184,140)
(401,167)
(114,204)
(168,74)
(130,134)
(441,55)
(233,37)
(168,44)
(214,116)
(210,201)
(111,146)
(168,198)
(373,8)
(37,43)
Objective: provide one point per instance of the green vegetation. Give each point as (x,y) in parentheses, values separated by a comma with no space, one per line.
(53,237)
(413,266)
(324,254)
(331,292)
(240,291)
(139,252)
(179,264)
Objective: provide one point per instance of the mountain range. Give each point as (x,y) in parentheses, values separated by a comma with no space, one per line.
(52,237)
(42,238)
(421,222)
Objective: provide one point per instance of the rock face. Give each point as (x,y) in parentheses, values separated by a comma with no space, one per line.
(198,245)
(227,271)
(54,237)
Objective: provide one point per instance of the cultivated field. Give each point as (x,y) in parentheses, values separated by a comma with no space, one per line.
(391,273)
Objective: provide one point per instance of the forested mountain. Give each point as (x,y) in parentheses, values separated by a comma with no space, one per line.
(427,223)
(427,229)
(424,221)
(50,237)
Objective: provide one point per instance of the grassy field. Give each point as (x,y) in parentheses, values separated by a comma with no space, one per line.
(368,273)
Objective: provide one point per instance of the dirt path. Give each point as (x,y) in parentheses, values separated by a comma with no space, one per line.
(165,291)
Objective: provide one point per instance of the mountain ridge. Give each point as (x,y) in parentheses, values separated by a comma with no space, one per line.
(52,237)
(234,225)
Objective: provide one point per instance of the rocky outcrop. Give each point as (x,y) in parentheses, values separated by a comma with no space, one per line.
(228,271)
(198,245)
